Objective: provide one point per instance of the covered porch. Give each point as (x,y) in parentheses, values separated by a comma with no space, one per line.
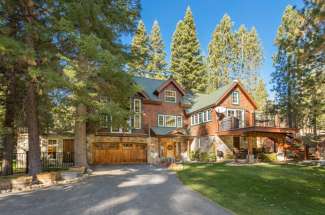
(172,143)
(253,136)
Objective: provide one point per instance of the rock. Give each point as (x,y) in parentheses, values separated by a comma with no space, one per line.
(70,175)
(48,177)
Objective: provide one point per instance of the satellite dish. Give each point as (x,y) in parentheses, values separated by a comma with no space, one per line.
(220,109)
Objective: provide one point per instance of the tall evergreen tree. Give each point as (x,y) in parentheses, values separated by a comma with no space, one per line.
(260,95)
(95,60)
(177,52)
(286,84)
(157,63)
(140,52)
(248,57)
(187,61)
(220,56)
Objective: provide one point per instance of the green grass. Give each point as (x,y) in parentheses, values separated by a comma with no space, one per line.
(259,189)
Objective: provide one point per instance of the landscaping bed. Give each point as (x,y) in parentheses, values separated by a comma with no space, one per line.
(23,182)
(259,188)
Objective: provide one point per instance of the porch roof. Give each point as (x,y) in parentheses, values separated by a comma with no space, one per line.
(163,131)
(258,131)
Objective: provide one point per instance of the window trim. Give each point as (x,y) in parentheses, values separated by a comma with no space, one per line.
(233,97)
(163,120)
(166,96)
(175,118)
(164,117)
(205,117)
(137,114)
(56,146)
(179,124)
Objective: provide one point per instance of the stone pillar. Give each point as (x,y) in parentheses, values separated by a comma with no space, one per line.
(152,150)
(250,155)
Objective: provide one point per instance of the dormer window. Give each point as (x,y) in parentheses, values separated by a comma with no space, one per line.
(235,97)
(170,96)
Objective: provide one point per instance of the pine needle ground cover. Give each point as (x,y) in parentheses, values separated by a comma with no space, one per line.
(259,189)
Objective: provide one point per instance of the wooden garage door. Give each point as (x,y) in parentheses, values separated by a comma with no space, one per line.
(114,153)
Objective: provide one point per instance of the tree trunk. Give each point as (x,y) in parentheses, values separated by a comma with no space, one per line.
(80,147)
(9,136)
(34,158)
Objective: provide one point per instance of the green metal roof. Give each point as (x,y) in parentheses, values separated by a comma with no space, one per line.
(201,101)
(162,130)
(149,86)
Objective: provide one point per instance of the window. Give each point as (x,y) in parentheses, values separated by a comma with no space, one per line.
(179,121)
(52,148)
(137,113)
(161,120)
(170,121)
(170,96)
(209,115)
(235,97)
(201,117)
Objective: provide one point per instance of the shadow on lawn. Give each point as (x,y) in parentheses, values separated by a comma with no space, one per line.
(260,189)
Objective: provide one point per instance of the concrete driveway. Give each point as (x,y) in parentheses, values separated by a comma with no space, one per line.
(129,189)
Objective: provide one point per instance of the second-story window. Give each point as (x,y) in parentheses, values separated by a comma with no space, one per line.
(137,113)
(201,117)
(179,121)
(170,121)
(170,96)
(235,97)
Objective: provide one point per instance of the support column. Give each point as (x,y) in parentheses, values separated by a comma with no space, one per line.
(250,155)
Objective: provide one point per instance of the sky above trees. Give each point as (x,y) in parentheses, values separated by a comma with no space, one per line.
(264,15)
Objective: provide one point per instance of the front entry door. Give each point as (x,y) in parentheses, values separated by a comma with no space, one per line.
(170,150)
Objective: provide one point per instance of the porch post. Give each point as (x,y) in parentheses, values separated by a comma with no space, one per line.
(250,155)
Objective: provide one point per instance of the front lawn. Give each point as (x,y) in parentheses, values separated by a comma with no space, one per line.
(259,189)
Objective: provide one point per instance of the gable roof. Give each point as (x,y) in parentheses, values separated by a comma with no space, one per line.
(152,87)
(149,86)
(201,101)
(169,81)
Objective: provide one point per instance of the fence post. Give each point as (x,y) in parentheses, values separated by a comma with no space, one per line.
(27,161)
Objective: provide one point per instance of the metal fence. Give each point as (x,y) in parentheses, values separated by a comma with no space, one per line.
(49,161)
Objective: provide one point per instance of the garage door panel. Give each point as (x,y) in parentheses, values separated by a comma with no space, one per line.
(109,153)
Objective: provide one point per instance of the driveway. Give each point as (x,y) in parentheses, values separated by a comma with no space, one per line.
(129,189)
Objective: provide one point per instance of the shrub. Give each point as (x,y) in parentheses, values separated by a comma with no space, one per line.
(195,155)
(204,157)
(212,156)
(268,157)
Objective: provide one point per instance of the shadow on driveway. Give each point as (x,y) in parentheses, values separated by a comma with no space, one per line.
(127,189)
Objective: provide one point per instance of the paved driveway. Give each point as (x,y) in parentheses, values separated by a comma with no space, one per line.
(132,189)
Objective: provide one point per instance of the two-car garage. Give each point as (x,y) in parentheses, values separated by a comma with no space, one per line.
(119,152)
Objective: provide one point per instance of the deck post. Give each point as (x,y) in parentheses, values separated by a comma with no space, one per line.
(250,155)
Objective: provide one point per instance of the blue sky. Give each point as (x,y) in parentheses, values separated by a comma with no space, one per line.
(265,15)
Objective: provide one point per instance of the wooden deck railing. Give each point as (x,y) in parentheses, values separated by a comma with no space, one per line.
(257,120)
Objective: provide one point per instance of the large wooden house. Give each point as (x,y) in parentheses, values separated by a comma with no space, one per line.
(168,122)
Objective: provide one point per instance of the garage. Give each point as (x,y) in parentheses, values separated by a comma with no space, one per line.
(119,153)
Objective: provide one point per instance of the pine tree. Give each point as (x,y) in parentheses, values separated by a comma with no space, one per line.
(260,95)
(177,52)
(248,57)
(220,56)
(157,64)
(286,86)
(140,52)
(187,61)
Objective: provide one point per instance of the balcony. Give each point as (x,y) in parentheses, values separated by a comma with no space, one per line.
(256,120)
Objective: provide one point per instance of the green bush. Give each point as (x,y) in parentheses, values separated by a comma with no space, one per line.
(212,156)
(268,157)
(195,155)
(204,157)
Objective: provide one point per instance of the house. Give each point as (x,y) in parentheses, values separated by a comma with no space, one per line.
(169,122)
